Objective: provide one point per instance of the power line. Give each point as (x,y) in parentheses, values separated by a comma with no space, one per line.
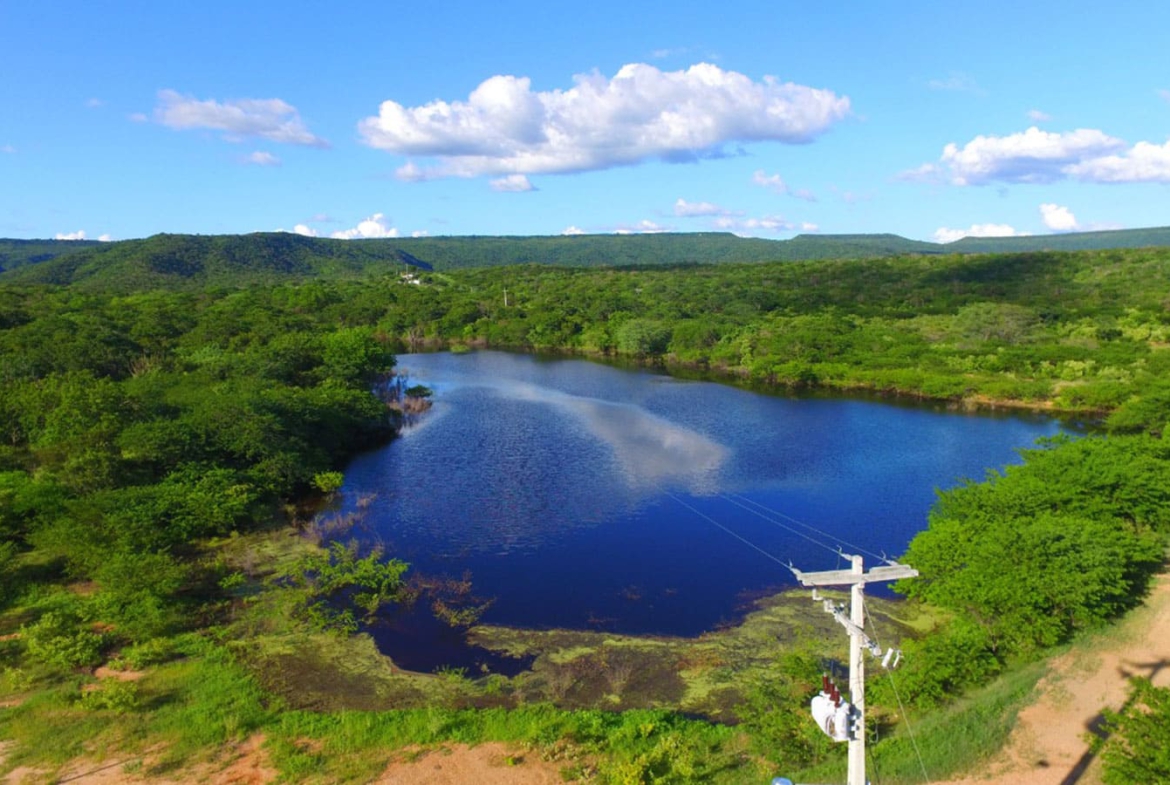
(901,706)
(814,541)
(810,527)
(714,522)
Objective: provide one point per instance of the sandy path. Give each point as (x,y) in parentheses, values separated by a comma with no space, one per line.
(1048,745)
(485,764)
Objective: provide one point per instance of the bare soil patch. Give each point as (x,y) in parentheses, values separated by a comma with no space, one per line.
(1049,744)
(106,672)
(245,763)
(485,764)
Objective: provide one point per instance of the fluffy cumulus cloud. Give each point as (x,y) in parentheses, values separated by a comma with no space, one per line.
(304,230)
(642,113)
(81,235)
(376,225)
(513,183)
(1058,218)
(1033,156)
(570,231)
(1142,163)
(685,209)
(1037,116)
(945,235)
(642,227)
(774,182)
(1036,156)
(263,118)
(768,224)
(262,158)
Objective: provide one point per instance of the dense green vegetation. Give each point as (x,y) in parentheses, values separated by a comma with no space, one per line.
(146,429)
(18,253)
(169,261)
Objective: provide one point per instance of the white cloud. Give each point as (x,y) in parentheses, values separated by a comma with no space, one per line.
(374,226)
(1036,156)
(770,224)
(642,227)
(685,209)
(572,230)
(945,235)
(1033,156)
(927,173)
(265,118)
(642,113)
(513,183)
(78,235)
(775,182)
(1058,218)
(1142,163)
(262,158)
(305,231)
(957,82)
(420,233)
(1037,116)
(105,238)
(772,182)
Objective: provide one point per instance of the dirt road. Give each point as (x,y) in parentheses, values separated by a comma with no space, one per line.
(1048,746)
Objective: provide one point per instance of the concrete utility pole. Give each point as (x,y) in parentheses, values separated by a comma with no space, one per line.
(856,578)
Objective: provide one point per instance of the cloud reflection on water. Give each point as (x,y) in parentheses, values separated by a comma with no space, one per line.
(652,452)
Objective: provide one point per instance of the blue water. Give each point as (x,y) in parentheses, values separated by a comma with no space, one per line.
(585,496)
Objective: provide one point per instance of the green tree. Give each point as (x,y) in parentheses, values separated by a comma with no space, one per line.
(1138,746)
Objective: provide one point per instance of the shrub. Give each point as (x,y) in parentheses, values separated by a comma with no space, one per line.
(62,639)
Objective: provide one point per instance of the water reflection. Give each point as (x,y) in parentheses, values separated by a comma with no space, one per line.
(558,486)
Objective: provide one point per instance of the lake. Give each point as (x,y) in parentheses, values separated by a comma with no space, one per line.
(582,495)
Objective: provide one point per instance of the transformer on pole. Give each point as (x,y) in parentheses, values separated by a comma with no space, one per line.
(854,624)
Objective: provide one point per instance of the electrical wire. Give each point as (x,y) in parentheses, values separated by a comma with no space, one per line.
(714,522)
(766,554)
(901,706)
(816,542)
(810,527)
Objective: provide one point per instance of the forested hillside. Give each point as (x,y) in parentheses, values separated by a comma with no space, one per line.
(147,431)
(18,253)
(169,261)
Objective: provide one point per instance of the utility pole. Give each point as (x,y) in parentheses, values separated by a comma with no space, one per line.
(856,578)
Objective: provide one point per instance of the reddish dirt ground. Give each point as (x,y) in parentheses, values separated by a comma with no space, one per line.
(1048,745)
(485,764)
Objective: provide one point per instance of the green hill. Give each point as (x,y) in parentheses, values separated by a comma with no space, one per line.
(1076,241)
(18,253)
(169,260)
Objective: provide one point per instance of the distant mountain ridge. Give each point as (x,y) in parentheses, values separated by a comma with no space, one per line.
(18,253)
(169,260)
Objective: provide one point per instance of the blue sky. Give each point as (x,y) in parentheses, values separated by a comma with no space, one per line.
(927,119)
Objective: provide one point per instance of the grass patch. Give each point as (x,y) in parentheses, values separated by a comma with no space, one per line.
(954,739)
(635,746)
